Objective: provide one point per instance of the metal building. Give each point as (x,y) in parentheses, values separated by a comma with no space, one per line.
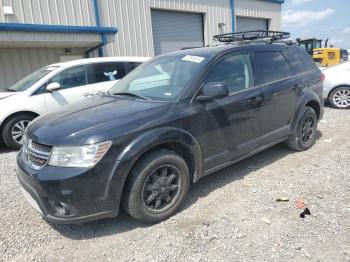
(34,33)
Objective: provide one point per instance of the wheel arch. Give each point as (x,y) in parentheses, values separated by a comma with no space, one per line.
(174,139)
(10,116)
(331,91)
(315,106)
(309,99)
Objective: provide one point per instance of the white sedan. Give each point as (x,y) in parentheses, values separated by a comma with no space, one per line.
(54,86)
(337,85)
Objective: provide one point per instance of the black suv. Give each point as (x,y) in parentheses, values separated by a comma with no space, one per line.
(170,122)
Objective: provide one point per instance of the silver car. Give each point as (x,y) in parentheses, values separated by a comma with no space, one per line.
(337,85)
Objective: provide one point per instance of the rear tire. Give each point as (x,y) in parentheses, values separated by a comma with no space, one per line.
(14,129)
(304,137)
(340,97)
(156,187)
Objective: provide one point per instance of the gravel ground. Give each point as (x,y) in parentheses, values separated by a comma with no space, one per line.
(229,216)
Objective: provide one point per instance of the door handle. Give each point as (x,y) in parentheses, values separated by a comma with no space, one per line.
(255,101)
(88,94)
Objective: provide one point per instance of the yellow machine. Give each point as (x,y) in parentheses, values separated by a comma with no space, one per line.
(327,56)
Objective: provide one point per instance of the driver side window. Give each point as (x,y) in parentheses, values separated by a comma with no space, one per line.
(71,77)
(235,71)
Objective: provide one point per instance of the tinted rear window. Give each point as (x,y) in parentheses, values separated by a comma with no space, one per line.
(301,62)
(270,67)
(133,65)
(109,71)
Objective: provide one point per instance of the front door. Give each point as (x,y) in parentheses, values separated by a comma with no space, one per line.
(74,87)
(230,124)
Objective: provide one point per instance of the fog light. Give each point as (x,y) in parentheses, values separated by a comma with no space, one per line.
(62,208)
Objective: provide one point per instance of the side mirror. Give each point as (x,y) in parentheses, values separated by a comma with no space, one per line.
(52,87)
(212,90)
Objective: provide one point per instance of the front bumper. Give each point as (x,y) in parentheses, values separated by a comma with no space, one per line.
(86,194)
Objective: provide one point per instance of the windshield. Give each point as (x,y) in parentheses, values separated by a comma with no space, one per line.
(28,81)
(162,78)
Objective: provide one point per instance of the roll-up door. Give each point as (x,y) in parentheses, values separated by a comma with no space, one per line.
(248,24)
(173,31)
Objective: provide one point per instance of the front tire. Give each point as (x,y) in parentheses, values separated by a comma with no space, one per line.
(304,137)
(340,97)
(14,129)
(157,186)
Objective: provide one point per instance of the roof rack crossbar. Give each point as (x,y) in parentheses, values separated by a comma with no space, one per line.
(251,35)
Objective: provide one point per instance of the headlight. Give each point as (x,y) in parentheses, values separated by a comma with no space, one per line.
(79,156)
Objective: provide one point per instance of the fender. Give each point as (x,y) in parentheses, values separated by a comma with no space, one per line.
(334,87)
(12,113)
(306,98)
(141,144)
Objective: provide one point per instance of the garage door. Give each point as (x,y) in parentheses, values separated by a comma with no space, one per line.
(248,24)
(175,30)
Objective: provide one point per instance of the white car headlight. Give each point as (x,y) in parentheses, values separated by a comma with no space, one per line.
(79,156)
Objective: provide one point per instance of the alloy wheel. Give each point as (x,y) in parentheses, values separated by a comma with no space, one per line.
(161,188)
(341,98)
(307,131)
(18,130)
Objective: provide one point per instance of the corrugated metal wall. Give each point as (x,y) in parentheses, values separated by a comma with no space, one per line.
(15,63)
(43,39)
(133,19)
(261,9)
(56,12)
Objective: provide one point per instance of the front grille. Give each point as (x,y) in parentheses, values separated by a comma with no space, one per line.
(37,155)
(41,147)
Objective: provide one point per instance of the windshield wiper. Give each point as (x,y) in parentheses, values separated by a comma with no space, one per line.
(132,95)
(10,90)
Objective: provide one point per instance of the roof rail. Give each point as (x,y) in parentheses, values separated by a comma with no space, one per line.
(269,36)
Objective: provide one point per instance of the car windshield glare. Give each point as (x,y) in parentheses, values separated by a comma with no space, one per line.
(28,81)
(162,78)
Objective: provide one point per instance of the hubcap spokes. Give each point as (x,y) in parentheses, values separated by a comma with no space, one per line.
(308,129)
(342,98)
(18,130)
(161,188)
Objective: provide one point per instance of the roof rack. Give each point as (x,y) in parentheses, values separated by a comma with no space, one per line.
(269,36)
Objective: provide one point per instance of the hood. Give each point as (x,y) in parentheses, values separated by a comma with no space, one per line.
(6,94)
(94,120)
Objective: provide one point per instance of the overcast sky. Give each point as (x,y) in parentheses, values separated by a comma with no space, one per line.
(319,18)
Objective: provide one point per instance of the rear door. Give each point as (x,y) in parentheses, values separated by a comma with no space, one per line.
(280,91)
(103,76)
(231,124)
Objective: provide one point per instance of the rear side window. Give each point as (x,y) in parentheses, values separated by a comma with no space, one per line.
(301,62)
(271,67)
(133,65)
(102,72)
